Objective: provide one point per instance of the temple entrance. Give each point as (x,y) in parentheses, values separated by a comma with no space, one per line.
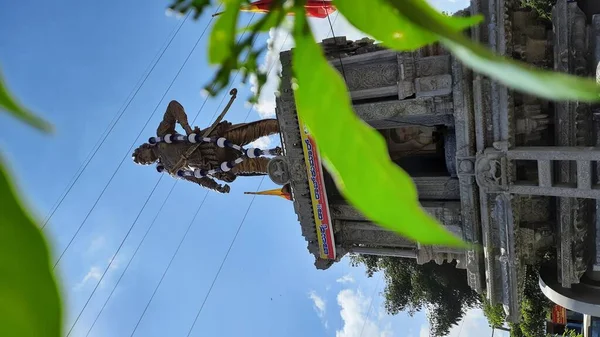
(419,150)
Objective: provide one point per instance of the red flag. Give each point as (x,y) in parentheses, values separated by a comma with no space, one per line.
(314,8)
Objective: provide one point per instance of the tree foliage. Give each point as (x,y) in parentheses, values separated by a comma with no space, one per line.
(494,313)
(542,7)
(440,289)
(31,304)
(535,307)
(390,198)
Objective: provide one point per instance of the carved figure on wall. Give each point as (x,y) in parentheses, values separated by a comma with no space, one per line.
(488,172)
(206,156)
(411,139)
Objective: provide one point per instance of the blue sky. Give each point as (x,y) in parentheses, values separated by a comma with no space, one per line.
(75,63)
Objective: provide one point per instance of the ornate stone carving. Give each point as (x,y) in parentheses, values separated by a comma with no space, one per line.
(534,209)
(465,165)
(388,110)
(433,65)
(437,188)
(371,76)
(433,85)
(279,171)
(490,172)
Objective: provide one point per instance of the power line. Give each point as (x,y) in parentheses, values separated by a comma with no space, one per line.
(339,55)
(224,259)
(142,209)
(115,255)
(241,223)
(144,237)
(132,144)
(185,235)
(334,20)
(169,264)
(151,225)
(370,308)
(128,263)
(111,125)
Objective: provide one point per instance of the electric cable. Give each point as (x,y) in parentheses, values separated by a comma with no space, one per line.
(132,145)
(110,128)
(149,228)
(224,259)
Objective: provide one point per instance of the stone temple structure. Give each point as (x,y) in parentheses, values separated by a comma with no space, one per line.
(514,174)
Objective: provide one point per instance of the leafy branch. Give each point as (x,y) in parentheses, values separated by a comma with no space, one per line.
(388,196)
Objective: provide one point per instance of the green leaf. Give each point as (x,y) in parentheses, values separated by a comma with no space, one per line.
(270,20)
(10,105)
(517,75)
(354,153)
(222,36)
(184,6)
(29,298)
(547,84)
(391,28)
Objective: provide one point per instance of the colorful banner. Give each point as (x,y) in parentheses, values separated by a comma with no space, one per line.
(559,315)
(318,194)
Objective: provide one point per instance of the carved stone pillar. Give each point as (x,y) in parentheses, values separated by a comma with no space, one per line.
(572,128)
(437,188)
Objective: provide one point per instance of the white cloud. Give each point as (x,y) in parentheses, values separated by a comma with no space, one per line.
(115,262)
(279,40)
(94,274)
(345,279)
(98,243)
(319,303)
(473,324)
(355,314)
(261,143)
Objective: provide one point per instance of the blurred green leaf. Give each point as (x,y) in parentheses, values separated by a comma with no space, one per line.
(516,75)
(551,85)
(391,28)
(273,19)
(229,58)
(184,6)
(354,153)
(222,37)
(9,104)
(29,298)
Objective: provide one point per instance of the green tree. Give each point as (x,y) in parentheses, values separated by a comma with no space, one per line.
(494,313)
(542,7)
(534,308)
(441,289)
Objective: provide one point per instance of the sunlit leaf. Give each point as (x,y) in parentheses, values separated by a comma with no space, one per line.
(547,84)
(516,75)
(29,298)
(230,58)
(390,27)
(9,104)
(222,37)
(356,154)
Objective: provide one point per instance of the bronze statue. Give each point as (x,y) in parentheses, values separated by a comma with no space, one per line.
(206,155)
